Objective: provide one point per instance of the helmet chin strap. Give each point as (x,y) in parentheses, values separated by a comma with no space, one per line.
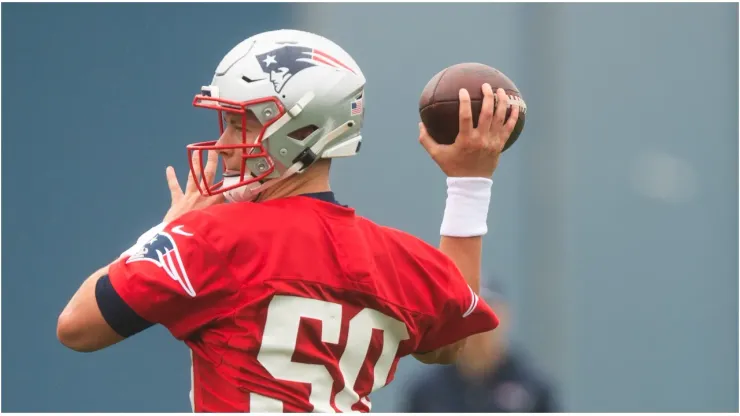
(243,193)
(250,192)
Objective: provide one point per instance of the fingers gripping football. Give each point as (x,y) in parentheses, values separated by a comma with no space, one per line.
(476,150)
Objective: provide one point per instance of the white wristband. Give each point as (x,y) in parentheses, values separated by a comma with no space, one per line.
(143,239)
(466,211)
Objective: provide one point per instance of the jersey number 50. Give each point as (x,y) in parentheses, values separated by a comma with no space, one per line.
(279,342)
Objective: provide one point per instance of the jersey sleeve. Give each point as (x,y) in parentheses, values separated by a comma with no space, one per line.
(178,279)
(463,314)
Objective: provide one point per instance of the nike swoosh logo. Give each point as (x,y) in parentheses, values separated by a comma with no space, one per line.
(178,230)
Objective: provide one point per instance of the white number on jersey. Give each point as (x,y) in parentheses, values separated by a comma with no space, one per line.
(279,342)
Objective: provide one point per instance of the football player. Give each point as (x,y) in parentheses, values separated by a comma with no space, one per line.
(288,300)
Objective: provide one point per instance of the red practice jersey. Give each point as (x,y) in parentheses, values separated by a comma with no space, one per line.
(294,304)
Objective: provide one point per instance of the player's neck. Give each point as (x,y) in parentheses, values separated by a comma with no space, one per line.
(315,179)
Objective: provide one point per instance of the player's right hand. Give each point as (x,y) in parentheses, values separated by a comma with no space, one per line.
(476,151)
(191,199)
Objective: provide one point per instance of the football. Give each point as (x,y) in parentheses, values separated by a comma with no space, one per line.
(439,104)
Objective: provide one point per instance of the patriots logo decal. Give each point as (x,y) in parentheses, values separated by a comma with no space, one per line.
(162,251)
(286,61)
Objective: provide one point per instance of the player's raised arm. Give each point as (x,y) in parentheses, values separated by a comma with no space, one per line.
(469,163)
(151,282)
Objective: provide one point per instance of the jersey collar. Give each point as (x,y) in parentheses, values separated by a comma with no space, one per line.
(327,196)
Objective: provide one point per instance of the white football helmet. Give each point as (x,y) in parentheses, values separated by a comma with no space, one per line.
(291,81)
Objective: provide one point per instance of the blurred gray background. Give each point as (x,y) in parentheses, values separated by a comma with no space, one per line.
(614,218)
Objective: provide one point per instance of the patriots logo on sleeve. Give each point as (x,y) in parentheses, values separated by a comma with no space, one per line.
(162,251)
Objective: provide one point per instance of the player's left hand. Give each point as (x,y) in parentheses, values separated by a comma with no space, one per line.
(192,199)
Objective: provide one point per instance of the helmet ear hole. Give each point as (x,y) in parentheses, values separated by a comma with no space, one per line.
(303,132)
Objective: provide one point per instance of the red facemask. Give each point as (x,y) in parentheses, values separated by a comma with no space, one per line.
(248,150)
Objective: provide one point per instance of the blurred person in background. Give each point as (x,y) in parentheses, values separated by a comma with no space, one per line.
(489,377)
